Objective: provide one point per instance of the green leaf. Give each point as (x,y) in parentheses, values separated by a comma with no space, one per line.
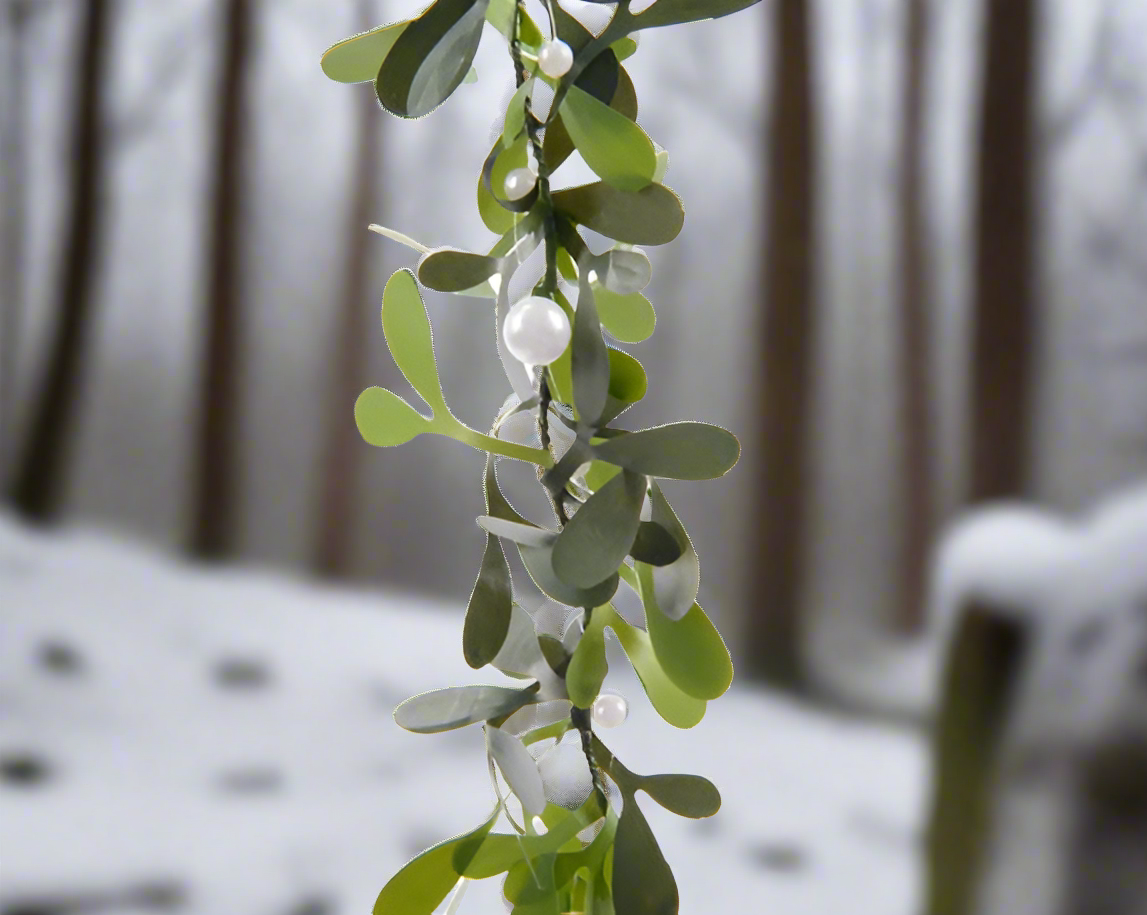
(522,534)
(589,359)
(599,474)
(495,216)
(643,884)
(625,271)
(685,795)
(515,121)
(385,419)
(677,707)
(499,853)
(654,545)
(675,586)
(651,216)
(431,57)
(624,48)
(457,706)
(489,610)
(615,147)
(407,330)
(540,564)
(673,12)
(421,886)
(678,451)
(500,15)
(358,59)
(588,667)
(627,380)
(519,655)
(598,537)
(451,270)
(690,650)
(558,146)
(496,503)
(518,768)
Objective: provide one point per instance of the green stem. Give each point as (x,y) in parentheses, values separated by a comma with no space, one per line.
(476,439)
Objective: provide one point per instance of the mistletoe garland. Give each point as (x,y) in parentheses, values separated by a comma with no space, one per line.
(589,849)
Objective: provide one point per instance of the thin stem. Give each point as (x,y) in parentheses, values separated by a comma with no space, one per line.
(498,446)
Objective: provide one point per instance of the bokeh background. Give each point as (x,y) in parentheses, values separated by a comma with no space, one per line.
(913,279)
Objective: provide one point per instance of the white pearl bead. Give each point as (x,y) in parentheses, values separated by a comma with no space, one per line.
(555,58)
(536,330)
(610,710)
(519,183)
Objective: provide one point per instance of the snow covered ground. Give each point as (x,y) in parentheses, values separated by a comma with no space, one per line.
(220,742)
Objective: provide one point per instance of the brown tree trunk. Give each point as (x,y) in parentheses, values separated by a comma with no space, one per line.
(13,140)
(915,350)
(217,453)
(38,482)
(348,358)
(1003,316)
(789,331)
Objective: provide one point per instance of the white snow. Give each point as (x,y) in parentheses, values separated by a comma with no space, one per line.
(821,813)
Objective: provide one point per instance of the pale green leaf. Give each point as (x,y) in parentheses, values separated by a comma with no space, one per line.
(407,329)
(457,706)
(615,147)
(358,59)
(678,451)
(385,419)
(518,768)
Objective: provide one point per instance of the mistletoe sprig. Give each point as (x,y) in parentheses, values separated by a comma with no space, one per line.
(588,850)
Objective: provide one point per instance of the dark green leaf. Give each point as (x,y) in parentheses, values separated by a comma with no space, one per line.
(539,563)
(555,653)
(651,216)
(643,884)
(431,57)
(654,545)
(675,586)
(598,537)
(690,650)
(358,59)
(407,330)
(457,706)
(685,795)
(450,270)
(491,604)
(590,364)
(421,886)
(384,419)
(588,668)
(672,12)
(615,147)
(679,451)
(599,78)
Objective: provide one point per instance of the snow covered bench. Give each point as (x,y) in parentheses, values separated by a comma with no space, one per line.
(1040,805)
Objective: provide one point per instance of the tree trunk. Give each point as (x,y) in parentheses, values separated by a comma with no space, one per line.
(217,453)
(789,331)
(915,350)
(1003,316)
(12,248)
(38,483)
(348,358)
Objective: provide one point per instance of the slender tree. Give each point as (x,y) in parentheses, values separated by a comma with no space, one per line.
(340,461)
(14,176)
(789,331)
(38,482)
(916,470)
(1003,310)
(217,442)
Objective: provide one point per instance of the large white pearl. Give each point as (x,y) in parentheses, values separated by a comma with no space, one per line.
(610,710)
(536,330)
(555,58)
(519,182)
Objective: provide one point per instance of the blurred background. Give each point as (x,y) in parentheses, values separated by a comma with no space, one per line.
(913,280)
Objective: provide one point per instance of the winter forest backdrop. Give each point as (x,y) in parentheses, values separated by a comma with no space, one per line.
(911,277)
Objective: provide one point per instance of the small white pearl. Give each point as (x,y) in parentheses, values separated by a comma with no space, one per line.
(610,710)
(536,330)
(555,58)
(519,183)
(540,826)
